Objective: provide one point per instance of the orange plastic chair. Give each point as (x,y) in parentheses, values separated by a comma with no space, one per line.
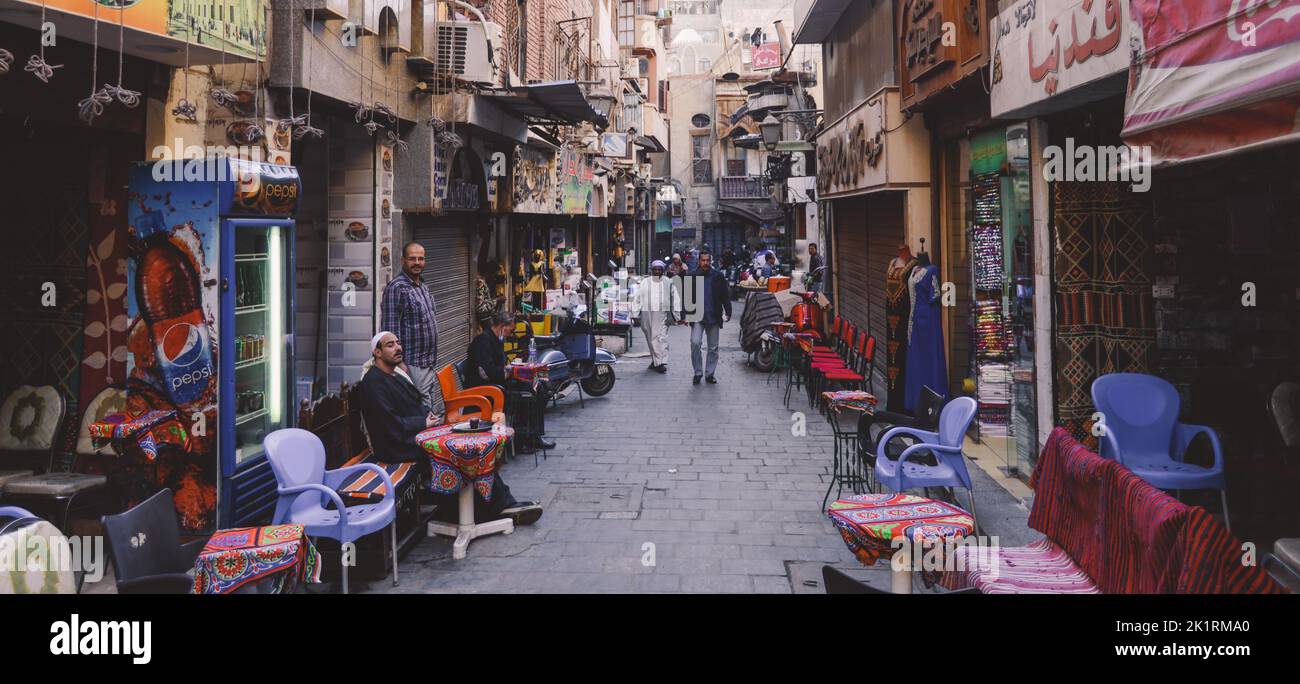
(449,383)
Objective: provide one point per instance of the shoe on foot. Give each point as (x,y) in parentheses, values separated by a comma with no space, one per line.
(695,380)
(663,368)
(653,366)
(543,443)
(522,512)
(711,380)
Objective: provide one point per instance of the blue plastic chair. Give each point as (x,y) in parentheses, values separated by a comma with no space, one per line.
(1142,432)
(946,445)
(305,488)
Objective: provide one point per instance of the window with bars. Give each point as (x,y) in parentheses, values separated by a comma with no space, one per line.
(701,160)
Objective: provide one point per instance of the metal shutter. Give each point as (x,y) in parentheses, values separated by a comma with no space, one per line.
(447,276)
(867,232)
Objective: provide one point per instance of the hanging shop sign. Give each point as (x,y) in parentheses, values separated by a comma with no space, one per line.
(614,145)
(534,181)
(766,56)
(939,43)
(238,26)
(1045,47)
(1215,76)
(574,182)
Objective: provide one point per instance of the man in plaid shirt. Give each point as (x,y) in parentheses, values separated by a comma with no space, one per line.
(408,311)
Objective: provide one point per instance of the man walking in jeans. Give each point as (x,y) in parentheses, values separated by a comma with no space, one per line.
(408,311)
(708,305)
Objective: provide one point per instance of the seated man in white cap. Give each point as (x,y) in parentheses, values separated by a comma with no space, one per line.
(393,413)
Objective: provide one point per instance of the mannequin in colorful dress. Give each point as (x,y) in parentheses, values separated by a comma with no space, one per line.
(926,364)
(898,314)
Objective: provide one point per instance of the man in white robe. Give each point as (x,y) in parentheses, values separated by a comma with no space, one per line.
(655,304)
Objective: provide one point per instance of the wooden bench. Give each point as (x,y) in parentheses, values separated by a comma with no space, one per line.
(336,420)
(1108,531)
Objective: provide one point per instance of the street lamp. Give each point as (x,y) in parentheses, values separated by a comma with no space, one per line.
(771,130)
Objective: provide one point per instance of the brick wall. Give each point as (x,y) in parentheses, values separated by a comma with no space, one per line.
(543,16)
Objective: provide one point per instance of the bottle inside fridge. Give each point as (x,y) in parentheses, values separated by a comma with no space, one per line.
(261,312)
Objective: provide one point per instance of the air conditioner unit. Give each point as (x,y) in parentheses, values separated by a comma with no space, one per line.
(467,50)
(631,68)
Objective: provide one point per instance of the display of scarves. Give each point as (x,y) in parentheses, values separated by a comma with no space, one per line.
(989,329)
(898,313)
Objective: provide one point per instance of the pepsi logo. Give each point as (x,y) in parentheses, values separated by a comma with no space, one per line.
(183,344)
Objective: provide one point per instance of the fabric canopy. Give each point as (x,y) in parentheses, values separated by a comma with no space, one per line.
(1213,77)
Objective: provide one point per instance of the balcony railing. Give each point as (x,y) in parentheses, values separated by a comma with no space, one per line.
(742,188)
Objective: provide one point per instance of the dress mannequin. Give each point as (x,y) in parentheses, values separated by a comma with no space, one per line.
(927,365)
(898,315)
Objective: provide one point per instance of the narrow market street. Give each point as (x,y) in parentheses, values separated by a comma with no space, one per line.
(710,475)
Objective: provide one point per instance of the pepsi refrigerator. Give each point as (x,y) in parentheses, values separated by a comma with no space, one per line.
(211,309)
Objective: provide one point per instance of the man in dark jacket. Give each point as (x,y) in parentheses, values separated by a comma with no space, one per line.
(707,305)
(487,366)
(393,413)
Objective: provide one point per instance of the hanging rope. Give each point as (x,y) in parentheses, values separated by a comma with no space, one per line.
(222,97)
(395,136)
(93,106)
(254,131)
(305,129)
(185,109)
(130,98)
(6,58)
(36,64)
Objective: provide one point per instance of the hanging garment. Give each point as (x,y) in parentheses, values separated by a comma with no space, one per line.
(926,365)
(898,314)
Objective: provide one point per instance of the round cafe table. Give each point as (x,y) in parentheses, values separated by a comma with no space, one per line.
(870,524)
(462,463)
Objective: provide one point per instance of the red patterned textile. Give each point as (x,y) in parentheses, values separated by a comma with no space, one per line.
(1210,560)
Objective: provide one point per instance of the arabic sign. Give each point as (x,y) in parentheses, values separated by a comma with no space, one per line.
(850,152)
(939,42)
(1045,47)
(239,25)
(766,56)
(1225,71)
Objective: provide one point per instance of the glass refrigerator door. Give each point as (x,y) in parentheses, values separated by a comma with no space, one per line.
(260,286)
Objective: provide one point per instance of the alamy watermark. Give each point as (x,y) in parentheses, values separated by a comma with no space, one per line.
(198,163)
(53,553)
(1122,163)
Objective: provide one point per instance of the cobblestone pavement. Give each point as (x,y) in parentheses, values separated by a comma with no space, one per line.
(661,486)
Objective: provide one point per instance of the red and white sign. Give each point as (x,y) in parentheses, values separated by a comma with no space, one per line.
(1045,47)
(766,56)
(1214,75)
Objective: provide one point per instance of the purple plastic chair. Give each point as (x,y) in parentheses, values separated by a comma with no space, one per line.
(946,445)
(297,458)
(1142,432)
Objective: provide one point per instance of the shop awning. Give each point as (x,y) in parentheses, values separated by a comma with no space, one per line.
(1215,77)
(650,144)
(820,20)
(556,102)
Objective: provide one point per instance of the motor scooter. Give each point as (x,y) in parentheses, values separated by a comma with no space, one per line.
(571,355)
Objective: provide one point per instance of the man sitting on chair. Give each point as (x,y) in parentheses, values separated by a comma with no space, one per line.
(487,366)
(393,413)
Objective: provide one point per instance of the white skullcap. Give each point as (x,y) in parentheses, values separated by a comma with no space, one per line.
(657,264)
(374,341)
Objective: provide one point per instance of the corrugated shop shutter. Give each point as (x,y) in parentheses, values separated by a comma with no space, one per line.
(884,232)
(867,231)
(446,241)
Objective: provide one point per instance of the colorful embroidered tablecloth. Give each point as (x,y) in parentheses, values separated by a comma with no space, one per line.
(146,431)
(855,400)
(235,557)
(870,522)
(527,372)
(460,459)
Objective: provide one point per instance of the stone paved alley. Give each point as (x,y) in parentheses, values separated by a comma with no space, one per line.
(711,476)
